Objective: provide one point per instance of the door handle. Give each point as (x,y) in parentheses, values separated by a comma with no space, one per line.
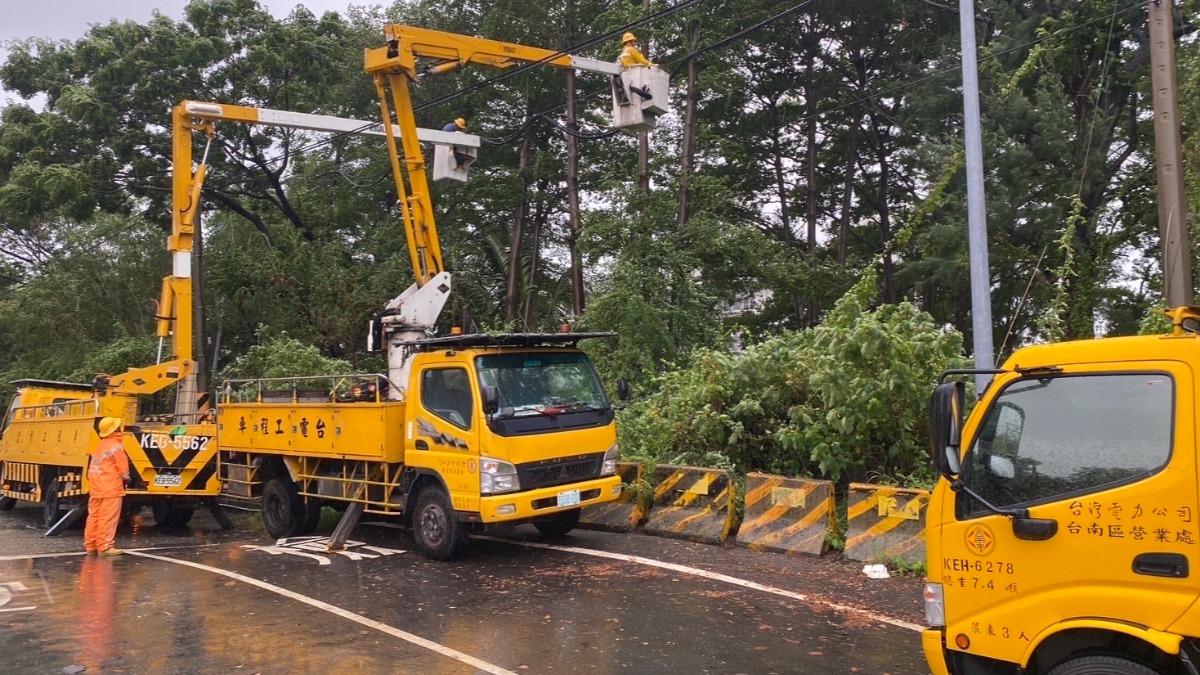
(421,445)
(1171,565)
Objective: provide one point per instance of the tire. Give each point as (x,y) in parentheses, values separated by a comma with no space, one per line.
(1101,665)
(51,508)
(436,530)
(283,511)
(558,524)
(169,515)
(7,503)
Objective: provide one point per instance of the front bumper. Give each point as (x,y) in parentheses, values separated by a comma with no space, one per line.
(543,501)
(934,645)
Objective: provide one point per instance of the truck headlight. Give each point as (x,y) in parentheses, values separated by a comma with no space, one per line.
(609,466)
(497,476)
(935,606)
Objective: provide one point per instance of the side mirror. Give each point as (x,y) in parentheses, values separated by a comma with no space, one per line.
(491,399)
(623,389)
(945,427)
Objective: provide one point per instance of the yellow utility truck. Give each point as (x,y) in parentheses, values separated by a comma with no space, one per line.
(1064,535)
(50,427)
(463,430)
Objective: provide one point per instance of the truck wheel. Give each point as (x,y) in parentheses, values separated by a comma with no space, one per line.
(7,503)
(51,509)
(168,515)
(558,524)
(1101,665)
(282,508)
(437,532)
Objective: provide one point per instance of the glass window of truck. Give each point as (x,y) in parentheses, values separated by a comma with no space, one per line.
(1048,438)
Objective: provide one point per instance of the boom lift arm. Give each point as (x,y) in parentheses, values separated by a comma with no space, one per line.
(412,314)
(174,316)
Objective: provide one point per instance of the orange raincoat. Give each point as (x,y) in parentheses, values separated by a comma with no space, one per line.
(107,474)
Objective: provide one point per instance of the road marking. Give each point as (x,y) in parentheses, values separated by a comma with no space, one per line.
(6,596)
(317,548)
(714,576)
(478,664)
(69,554)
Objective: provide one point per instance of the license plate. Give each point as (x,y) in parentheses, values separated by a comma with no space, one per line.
(168,480)
(568,498)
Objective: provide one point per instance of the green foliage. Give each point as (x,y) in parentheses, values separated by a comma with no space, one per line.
(904,568)
(844,400)
(117,357)
(280,355)
(1154,322)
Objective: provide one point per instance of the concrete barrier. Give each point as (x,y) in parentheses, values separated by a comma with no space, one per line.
(786,515)
(885,523)
(623,514)
(692,503)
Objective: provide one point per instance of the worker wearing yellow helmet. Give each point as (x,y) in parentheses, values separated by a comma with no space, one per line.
(461,158)
(631,57)
(630,54)
(107,473)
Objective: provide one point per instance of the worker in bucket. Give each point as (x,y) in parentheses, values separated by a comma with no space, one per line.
(631,57)
(460,124)
(107,474)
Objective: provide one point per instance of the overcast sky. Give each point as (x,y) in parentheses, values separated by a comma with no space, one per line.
(70,19)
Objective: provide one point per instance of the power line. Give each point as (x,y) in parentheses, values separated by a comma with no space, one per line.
(724,42)
(744,32)
(678,7)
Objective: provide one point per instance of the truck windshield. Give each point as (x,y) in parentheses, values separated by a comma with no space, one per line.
(1045,439)
(543,384)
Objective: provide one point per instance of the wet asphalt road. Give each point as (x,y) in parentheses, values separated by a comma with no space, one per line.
(201,600)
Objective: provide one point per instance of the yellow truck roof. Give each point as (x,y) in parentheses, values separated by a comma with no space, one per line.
(1183,347)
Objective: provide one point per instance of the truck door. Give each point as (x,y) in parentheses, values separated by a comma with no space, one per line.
(445,431)
(1106,451)
(12,411)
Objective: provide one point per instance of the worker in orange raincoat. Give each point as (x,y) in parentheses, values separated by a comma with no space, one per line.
(107,475)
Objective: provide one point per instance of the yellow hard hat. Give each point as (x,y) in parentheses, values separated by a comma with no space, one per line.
(628,37)
(109,426)
(460,123)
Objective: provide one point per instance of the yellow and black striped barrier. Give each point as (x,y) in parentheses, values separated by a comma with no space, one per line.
(623,514)
(786,515)
(885,523)
(21,481)
(692,503)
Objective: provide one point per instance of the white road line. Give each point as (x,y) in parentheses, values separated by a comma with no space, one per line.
(469,660)
(69,554)
(715,576)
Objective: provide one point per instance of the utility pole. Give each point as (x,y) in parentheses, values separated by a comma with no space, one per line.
(1172,203)
(644,136)
(981,281)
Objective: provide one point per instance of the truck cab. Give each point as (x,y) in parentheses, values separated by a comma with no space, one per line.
(1064,535)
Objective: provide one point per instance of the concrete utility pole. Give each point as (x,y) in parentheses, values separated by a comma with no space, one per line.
(981,282)
(1172,202)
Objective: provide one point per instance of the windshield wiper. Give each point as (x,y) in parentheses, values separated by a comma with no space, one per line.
(581,406)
